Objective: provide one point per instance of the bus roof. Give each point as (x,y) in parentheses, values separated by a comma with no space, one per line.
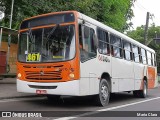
(47,14)
(111,30)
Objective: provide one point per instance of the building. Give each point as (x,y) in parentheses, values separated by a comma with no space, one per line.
(8,50)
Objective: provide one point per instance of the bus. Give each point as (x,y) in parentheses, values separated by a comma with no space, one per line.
(69,53)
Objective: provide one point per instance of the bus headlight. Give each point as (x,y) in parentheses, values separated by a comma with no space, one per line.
(19,75)
(71,75)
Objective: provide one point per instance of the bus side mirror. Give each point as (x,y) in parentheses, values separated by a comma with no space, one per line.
(95,39)
(86,32)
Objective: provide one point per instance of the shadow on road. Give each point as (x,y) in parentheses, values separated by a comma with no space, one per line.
(70,103)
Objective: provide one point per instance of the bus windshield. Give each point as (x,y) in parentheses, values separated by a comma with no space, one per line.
(50,44)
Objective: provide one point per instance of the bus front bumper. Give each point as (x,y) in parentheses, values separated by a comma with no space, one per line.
(60,88)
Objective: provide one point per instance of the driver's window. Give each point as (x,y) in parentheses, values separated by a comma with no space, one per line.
(87,43)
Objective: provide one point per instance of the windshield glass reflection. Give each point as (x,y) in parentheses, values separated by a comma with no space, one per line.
(47,44)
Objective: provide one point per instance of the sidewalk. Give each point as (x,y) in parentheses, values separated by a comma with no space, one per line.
(8,89)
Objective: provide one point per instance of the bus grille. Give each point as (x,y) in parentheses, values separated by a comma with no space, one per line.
(41,73)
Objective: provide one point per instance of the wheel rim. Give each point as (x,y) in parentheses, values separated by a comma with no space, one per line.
(104,92)
(145,89)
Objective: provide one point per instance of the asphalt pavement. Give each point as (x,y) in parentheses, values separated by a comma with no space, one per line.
(8,89)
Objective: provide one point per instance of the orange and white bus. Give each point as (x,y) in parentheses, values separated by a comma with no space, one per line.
(69,53)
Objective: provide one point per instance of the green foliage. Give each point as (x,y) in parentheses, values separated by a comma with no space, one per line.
(137,34)
(114,13)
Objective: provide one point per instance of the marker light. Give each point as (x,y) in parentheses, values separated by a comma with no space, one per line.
(19,75)
(71,75)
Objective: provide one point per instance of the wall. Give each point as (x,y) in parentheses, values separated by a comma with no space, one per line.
(12,56)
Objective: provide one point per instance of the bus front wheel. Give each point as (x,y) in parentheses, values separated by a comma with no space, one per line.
(102,99)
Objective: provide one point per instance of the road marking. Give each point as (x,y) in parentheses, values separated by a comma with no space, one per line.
(125,105)
(106,109)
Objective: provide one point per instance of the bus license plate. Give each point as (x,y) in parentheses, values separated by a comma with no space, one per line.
(41,91)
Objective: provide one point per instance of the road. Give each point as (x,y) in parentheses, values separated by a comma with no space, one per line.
(83,108)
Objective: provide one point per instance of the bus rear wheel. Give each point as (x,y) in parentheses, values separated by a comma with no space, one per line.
(141,93)
(102,99)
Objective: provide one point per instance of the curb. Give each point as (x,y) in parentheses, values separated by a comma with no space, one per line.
(28,96)
(7,83)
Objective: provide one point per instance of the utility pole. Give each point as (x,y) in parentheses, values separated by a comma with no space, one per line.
(9,38)
(156,37)
(10,23)
(146,28)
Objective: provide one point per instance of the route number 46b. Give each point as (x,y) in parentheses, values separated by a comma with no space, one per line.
(33,57)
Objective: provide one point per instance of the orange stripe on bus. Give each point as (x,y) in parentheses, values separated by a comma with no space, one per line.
(151,77)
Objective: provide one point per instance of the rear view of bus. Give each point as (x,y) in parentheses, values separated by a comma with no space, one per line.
(48,61)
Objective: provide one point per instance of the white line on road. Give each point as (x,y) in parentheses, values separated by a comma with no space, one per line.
(106,109)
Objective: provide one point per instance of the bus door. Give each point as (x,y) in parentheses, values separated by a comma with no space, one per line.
(88,54)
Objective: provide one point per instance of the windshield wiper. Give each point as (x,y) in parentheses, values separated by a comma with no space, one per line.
(30,35)
(51,32)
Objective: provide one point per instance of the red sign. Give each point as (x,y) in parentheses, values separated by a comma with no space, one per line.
(41,91)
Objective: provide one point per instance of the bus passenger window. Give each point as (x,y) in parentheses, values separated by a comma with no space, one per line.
(144,58)
(154,60)
(103,45)
(136,54)
(149,58)
(116,46)
(87,43)
(127,50)
(139,52)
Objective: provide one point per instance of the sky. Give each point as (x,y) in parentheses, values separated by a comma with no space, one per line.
(140,9)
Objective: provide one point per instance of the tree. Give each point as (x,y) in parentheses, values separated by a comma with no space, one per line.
(114,13)
(137,34)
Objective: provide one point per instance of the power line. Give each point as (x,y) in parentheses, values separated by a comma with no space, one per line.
(139,5)
(144,9)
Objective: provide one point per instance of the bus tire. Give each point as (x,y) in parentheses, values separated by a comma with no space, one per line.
(142,93)
(53,98)
(102,99)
